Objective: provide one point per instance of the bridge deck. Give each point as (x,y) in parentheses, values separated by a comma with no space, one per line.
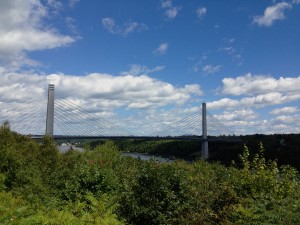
(199,138)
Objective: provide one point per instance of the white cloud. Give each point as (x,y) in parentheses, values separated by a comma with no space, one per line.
(136,69)
(55,6)
(109,24)
(237,115)
(171,11)
(287,119)
(162,49)
(22,30)
(253,84)
(285,110)
(284,124)
(166,4)
(271,14)
(232,51)
(101,95)
(239,121)
(17,40)
(201,11)
(210,69)
(223,103)
(247,121)
(254,92)
(197,65)
(128,91)
(129,27)
(70,22)
(199,61)
(192,88)
(72,3)
(229,50)
(262,100)
(162,122)
(15,87)
(104,95)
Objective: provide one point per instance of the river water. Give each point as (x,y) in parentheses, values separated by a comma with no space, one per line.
(142,156)
(65,148)
(146,156)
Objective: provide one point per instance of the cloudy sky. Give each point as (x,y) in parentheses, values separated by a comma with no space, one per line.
(145,64)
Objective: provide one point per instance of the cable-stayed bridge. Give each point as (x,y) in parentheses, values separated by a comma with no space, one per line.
(65,118)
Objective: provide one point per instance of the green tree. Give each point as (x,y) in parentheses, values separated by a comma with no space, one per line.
(267,193)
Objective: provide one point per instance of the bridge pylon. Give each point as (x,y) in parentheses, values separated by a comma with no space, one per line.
(50,111)
(205,153)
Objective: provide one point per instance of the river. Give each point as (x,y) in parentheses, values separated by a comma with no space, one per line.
(143,156)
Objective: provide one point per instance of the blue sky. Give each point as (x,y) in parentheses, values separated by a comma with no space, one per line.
(130,61)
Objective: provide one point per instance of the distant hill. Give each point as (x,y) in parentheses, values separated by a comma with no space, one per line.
(285,148)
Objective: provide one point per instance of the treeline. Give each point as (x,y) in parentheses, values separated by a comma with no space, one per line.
(40,185)
(284,148)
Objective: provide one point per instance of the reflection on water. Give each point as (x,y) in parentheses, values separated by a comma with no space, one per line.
(143,156)
(65,148)
(146,157)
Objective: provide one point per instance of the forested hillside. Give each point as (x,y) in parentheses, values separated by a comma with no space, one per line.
(40,185)
(284,148)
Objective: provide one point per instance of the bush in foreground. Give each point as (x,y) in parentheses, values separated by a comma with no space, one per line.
(39,185)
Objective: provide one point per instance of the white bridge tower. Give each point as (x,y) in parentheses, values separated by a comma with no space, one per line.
(50,111)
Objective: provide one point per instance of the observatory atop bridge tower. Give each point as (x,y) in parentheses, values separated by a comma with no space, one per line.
(50,111)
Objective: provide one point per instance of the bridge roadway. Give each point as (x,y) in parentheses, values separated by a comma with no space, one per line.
(189,138)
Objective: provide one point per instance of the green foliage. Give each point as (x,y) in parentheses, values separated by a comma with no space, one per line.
(40,185)
(2,182)
(211,198)
(7,142)
(284,148)
(178,148)
(267,193)
(156,195)
(89,211)
(91,171)
(11,208)
(87,178)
